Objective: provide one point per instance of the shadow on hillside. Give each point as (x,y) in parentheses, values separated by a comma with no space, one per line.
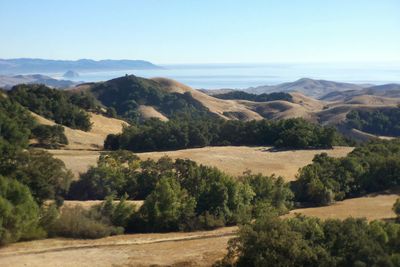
(285,149)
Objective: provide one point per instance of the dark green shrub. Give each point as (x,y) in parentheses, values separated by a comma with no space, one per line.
(19,213)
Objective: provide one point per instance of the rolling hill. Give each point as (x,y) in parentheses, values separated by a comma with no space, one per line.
(7,82)
(309,87)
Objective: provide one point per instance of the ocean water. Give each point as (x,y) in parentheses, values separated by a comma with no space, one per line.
(239,76)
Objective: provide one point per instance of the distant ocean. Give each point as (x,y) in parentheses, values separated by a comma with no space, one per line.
(239,76)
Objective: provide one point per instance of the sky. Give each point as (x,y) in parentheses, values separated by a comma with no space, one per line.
(206,31)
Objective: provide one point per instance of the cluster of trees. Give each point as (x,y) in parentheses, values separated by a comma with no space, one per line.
(371,167)
(380,122)
(126,94)
(180,195)
(28,177)
(240,95)
(53,104)
(179,134)
(303,241)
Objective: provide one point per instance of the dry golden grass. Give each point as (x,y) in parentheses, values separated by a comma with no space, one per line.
(87,204)
(148,112)
(233,160)
(92,140)
(177,249)
(373,207)
(78,161)
(217,106)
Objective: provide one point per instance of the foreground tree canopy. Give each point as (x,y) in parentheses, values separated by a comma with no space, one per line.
(302,241)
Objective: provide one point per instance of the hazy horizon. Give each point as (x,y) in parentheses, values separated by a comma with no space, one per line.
(203,32)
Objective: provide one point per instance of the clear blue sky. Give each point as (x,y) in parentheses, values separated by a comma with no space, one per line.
(202,31)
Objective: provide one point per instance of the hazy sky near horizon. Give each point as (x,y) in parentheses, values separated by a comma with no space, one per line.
(207,31)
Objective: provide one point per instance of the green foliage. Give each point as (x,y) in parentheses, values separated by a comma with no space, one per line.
(19,214)
(396,207)
(115,214)
(254,97)
(270,191)
(115,174)
(380,122)
(179,134)
(15,123)
(168,207)
(302,241)
(369,168)
(180,194)
(46,177)
(53,104)
(50,136)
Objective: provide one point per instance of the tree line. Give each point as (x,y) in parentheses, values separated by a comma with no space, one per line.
(155,135)
(379,122)
(240,95)
(60,106)
(371,167)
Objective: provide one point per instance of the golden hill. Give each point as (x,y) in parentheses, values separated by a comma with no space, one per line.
(93,139)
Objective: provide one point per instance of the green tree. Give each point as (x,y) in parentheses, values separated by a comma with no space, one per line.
(19,214)
(168,207)
(396,207)
(46,177)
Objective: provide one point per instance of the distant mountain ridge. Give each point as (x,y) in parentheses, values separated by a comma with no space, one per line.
(321,89)
(37,65)
(307,86)
(6,82)
(390,90)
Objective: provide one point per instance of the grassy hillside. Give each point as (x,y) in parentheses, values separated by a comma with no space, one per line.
(128,94)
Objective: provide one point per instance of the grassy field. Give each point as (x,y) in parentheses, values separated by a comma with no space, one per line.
(233,160)
(372,207)
(170,249)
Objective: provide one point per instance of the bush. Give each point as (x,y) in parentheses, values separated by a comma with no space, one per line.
(168,207)
(19,214)
(396,207)
(76,222)
(115,214)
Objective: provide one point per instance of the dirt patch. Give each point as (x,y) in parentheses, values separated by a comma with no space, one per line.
(180,249)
